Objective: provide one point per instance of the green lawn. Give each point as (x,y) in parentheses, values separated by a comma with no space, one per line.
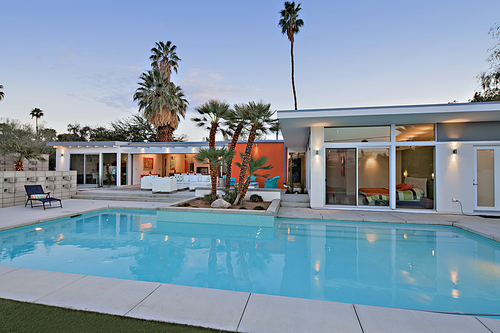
(27,317)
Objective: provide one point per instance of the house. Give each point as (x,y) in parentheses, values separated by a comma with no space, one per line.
(443,158)
(124,163)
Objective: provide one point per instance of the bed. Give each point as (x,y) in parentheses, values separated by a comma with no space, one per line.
(404,197)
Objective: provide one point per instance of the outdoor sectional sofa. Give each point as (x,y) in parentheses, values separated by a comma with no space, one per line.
(174,183)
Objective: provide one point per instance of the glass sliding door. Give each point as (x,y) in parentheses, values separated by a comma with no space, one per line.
(76,162)
(123,168)
(485,178)
(91,169)
(109,169)
(373,176)
(415,177)
(341,176)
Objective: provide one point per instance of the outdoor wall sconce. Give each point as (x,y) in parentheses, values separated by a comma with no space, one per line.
(62,154)
(317,152)
(455,151)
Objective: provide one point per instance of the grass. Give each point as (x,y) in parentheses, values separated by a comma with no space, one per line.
(28,317)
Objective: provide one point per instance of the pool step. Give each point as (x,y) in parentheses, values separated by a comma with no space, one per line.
(295,200)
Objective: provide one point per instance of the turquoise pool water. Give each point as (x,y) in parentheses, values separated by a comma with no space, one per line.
(406,266)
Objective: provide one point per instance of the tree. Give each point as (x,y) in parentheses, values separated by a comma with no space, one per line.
(165,58)
(259,116)
(162,103)
(215,158)
(2,95)
(20,142)
(235,124)
(254,166)
(36,113)
(490,80)
(211,114)
(290,24)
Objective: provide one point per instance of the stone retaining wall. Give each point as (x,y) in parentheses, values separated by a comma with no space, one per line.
(60,184)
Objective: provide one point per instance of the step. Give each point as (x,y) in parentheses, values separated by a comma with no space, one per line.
(130,198)
(295,198)
(295,204)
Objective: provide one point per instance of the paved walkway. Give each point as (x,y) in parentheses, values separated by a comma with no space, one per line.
(234,311)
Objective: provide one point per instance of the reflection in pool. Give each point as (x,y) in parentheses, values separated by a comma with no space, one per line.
(407,266)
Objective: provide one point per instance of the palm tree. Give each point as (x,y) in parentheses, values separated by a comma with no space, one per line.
(290,25)
(254,166)
(235,125)
(212,113)
(2,95)
(20,151)
(165,58)
(259,115)
(36,113)
(162,103)
(214,158)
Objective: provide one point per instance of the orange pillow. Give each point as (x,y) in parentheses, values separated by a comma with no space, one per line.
(398,187)
(407,187)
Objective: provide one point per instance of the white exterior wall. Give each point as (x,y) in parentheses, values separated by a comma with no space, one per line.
(317,167)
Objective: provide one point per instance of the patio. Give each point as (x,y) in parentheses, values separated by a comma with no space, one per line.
(234,311)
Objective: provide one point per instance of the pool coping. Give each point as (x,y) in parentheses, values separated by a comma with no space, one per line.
(236,311)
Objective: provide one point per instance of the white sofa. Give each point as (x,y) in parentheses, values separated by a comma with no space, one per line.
(164,184)
(193,180)
(146,182)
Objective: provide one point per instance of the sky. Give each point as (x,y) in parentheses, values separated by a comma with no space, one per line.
(80,61)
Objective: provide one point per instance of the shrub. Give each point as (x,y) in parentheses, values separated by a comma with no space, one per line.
(230,195)
(243,207)
(256,198)
(258,208)
(184,204)
(208,197)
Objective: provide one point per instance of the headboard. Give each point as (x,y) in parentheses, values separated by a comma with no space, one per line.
(420,183)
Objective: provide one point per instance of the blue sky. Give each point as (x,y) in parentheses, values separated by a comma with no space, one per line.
(79,61)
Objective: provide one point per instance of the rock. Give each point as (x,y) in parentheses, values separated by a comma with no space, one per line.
(220,203)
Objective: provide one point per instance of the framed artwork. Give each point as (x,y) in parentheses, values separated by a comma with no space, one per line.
(172,162)
(148,163)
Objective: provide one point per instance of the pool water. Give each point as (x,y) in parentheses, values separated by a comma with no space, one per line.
(395,265)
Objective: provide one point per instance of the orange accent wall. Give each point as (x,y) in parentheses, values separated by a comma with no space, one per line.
(276,156)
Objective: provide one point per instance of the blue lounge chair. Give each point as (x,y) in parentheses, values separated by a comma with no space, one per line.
(35,192)
(271,182)
(233,180)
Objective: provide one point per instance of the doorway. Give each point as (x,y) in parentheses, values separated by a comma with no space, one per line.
(485,181)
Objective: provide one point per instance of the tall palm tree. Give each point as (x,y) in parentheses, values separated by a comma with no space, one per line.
(36,113)
(2,95)
(235,124)
(165,58)
(215,158)
(290,24)
(162,103)
(259,115)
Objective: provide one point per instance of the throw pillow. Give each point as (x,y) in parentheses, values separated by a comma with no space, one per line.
(407,187)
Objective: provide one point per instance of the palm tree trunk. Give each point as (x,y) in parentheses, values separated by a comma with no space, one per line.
(36,120)
(293,77)
(19,166)
(163,133)
(211,144)
(213,179)
(234,141)
(245,162)
(244,190)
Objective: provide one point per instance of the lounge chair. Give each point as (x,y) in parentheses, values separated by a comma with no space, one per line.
(271,182)
(35,192)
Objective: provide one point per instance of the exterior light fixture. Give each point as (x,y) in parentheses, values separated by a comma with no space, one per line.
(62,154)
(455,151)
(317,152)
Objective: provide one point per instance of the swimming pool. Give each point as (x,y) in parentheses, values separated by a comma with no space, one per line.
(396,265)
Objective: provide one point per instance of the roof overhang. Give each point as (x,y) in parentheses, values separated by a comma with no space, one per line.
(296,124)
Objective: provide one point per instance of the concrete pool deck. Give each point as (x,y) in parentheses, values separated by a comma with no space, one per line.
(228,310)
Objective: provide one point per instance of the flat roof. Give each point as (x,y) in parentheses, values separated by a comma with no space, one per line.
(123,144)
(295,124)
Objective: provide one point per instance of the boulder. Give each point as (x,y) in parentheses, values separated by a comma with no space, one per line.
(220,203)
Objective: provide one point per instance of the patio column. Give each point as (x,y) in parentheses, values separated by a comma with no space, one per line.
(101,175)
(316,143)
(118,168)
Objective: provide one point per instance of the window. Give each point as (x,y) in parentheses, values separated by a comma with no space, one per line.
(358,134)
(414,133)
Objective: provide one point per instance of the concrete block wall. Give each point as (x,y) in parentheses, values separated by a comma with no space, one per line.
(60,184)
(7,164)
